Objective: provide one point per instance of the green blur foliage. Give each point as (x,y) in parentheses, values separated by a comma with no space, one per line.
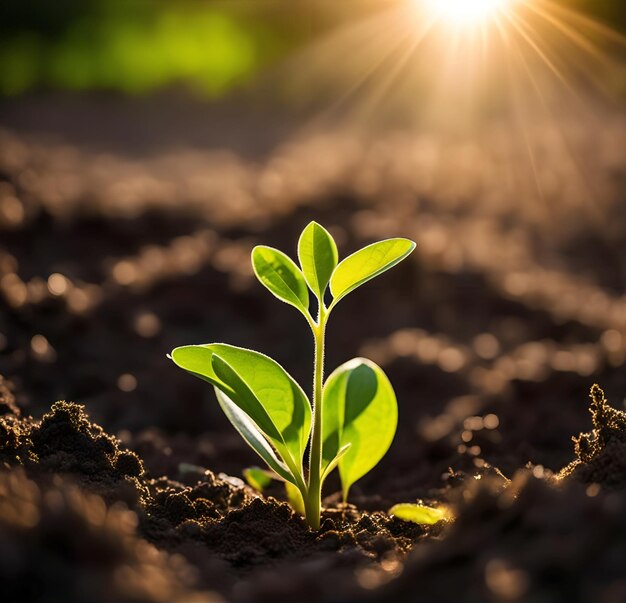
(134,48)
(139,46)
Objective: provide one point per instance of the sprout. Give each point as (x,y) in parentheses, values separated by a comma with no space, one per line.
(352,419)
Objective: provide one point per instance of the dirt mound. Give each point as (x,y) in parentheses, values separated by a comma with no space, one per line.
(61,544)
(219,525)
(7,400)
(66,442)
(526,540)
(601,453)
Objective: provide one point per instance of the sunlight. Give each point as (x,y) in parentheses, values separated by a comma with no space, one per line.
(527,75)
(466,12)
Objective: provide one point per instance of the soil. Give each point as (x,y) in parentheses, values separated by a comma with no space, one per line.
(75,502)
(112,253)
(67,472)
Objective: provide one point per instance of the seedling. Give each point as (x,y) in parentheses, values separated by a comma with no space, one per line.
(354,414)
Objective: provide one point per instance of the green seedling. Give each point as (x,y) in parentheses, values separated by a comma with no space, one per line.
(353,415)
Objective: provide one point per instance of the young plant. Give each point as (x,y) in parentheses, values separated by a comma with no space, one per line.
(353,415)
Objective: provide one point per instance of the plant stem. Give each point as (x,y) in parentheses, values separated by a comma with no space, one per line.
(313,499)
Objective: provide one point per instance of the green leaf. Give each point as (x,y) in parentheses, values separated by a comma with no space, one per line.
(257,478)
(420,514)
(245,398)
(294,496)
(281,276)
(260,387)
(360,409)
(252,435)
(317,253)
(367,263)
(334,462)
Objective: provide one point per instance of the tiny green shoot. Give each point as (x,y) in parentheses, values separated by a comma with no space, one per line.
(420,514)
(351,420)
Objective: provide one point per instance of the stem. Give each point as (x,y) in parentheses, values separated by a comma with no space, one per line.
(313,500)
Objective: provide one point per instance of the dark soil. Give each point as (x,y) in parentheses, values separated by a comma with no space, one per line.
(492,333)
(221,526)
(601,453)
(530,539)
(75,502)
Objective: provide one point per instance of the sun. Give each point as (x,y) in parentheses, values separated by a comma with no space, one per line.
(466,12)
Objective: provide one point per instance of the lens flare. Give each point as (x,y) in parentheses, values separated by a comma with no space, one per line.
(466,12)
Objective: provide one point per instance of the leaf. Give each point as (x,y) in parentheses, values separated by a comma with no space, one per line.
(281,276)
(244,397)
(360,409)
(259,386)
(198,360)
(317,253)
(367,263)
(252,435)
(257,478)
(420,514)
(294,496)
(331,466)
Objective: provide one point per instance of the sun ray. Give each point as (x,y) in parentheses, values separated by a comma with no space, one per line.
(533,71)
(593,61)
(520,121)
(604,31)
(383,87)
(579,171)
(579,40)
(520,25)
(371,54)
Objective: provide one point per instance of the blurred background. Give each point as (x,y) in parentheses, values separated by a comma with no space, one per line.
(146,147)
(210,47)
